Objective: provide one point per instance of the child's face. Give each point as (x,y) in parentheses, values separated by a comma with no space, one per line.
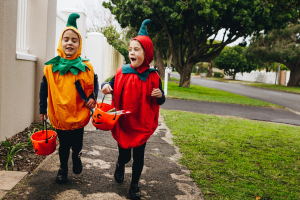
(70,43)
(136,54)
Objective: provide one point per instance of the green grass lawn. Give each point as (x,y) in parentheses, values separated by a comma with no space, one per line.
(232,158)
(276,87)
(261,85)
(201,93)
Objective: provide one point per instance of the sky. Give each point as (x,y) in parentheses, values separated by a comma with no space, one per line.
(63,4)
(239,40)
(74,4)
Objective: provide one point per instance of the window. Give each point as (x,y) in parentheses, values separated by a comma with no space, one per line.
(21,26)
(22,50)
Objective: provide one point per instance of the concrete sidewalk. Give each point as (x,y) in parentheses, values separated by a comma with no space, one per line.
(162,178)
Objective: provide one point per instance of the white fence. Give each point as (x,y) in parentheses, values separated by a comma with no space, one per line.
(104,58)
(261,77)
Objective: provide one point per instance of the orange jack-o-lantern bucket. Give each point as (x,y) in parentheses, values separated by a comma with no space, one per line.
(44,141)
(103,120)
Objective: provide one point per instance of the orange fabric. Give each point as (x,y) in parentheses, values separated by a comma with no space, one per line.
(66,109)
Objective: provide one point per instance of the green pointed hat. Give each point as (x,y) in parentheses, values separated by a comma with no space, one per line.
(143,30)
(72,20)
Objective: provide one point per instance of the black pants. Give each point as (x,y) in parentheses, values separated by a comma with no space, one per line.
(68,139)
(138,160)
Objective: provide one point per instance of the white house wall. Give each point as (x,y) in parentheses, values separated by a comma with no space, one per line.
(260,77)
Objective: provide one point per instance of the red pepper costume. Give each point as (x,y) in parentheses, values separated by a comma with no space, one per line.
(132,93)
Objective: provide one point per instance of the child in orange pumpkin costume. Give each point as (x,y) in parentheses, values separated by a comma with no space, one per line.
(68,113)
(136,87)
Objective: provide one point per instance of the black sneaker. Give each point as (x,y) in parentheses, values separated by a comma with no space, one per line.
(119,173)
(135,192)
(62,175)
(77,164)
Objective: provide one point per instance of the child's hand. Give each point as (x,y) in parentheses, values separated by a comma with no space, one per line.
(43,116)
(156,93)
(106,89)
(91,103)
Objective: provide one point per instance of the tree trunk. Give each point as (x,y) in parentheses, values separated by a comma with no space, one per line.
(233,77)
(294,77)
(210,70)
(199,70)
(277,81)
(185,75)
(159,63)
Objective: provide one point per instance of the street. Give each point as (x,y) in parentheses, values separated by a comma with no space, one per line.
(285,99)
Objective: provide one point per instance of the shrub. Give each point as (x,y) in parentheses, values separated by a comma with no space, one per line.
(218,75)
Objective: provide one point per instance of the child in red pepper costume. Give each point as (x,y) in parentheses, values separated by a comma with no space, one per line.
(67,111)
(138,88)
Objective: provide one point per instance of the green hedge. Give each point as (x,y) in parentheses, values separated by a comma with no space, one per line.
(218,75)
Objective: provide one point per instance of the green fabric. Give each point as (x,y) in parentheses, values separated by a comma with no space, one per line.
(64,65)
(72,20)
(143,30)
(126,69)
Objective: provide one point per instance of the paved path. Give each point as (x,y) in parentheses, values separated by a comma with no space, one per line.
(288,100)
(162,178)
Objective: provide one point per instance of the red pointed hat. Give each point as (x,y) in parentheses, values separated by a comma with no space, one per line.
(146,42)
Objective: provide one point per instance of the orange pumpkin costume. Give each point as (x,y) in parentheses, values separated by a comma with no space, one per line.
(66,108)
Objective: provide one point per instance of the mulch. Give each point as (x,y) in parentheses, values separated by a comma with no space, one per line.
(26,160)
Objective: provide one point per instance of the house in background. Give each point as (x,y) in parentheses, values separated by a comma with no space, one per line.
(27,41)
(29,34)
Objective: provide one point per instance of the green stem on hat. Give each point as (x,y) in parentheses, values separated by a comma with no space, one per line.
(143,30)
(72,20)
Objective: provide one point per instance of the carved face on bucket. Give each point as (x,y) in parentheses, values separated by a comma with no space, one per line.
(97,118)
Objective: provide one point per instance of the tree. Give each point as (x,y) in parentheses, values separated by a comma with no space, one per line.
(189,24)
(233,61)
(280,46)
(100,19)
(160,44)
(97,16)
(113,38)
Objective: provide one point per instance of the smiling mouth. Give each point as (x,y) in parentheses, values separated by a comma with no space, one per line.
(69,48)
(132,59)
(97,122)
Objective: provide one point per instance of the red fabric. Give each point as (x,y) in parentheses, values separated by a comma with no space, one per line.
(131,93)
(148,47)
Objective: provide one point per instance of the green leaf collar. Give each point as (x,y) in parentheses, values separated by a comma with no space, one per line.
(126,69)
(64,65)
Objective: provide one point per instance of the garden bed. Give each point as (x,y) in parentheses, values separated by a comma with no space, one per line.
(25,160)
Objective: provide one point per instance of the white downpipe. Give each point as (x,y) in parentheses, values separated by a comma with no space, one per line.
(167,71)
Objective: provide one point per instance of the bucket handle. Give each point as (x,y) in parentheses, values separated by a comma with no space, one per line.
(113,101)
(45,123)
